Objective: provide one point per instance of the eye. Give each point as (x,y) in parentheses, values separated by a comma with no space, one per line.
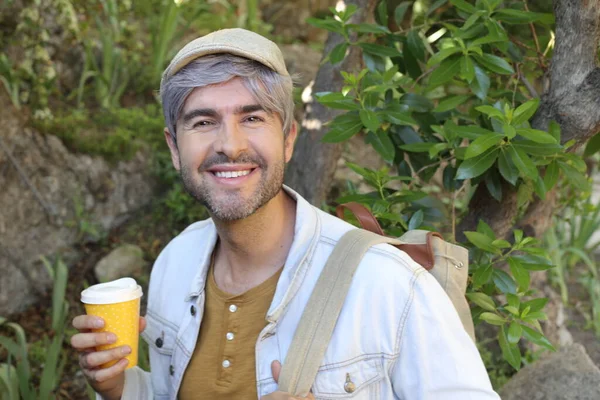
(254,118)
(202,123)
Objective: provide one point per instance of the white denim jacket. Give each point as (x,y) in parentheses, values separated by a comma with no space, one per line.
(397,337)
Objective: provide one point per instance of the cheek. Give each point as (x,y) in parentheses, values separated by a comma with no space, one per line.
(192,152)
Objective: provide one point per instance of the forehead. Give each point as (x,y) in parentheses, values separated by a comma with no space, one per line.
(224,97)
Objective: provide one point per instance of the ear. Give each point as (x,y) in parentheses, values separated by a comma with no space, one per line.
(173,147)
(289,142)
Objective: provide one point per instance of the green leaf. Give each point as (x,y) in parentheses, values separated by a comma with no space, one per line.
(482,300)
(522,161)
(401,11)
(418,147)
(533,263)
(511,16)
(442,55)
(416,220)
(513,300)
(370,120)
(540,187)
(504,282)
(495,64)
(382,143)
(379,50)
(554,130)
(482,241)
(482,275)
(382,15)
(576,178)
(491,112)
(368,28)
(338,53)
(510,352)
(482,144)
(593,146)
(329,24)
(536,304)
(525,111)
(467,69)
(471,132)
(447,70)
(481,84)
(416,102)
(501,243)
(476,166)
(343,128)
(492,319)
(415,45)
(537,338)
(538,149)
(450,103)
(463,6)
(337,101)
(520,274)
(398,117)
(514,333)
(536,136)
(483,227)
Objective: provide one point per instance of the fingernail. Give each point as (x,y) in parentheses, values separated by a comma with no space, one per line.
(98,323)
(126,350)
(111,337)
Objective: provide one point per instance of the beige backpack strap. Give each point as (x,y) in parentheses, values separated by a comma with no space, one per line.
(320,315)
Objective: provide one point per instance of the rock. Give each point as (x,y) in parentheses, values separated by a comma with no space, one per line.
(64,197)
(568,374)
(124,261)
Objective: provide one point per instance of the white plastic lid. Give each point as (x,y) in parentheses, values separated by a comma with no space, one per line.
(119,291)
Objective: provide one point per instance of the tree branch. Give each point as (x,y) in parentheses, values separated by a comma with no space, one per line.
(313,165)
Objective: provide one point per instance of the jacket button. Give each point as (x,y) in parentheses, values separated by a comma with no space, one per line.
(193,310)
(349,386)
(171,369)
(159,343)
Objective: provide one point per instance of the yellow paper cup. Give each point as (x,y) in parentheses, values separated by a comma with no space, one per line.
(118,304)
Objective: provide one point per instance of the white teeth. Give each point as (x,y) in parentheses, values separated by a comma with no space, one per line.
(231,174)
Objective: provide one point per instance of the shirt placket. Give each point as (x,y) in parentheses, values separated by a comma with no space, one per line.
(232,315)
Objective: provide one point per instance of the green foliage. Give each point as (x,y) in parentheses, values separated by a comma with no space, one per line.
(445,93)
(18,379)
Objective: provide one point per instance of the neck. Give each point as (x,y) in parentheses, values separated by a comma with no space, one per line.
(251,250)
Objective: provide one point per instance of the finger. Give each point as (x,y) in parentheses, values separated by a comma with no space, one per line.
(276,370)
(84,341)
(104,374)
(91,360)
(142,324)
(81,322)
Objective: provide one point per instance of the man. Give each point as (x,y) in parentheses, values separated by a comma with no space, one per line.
(227,294)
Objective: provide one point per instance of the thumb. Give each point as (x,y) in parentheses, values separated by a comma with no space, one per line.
(276,370)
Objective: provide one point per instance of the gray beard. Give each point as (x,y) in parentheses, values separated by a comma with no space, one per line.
(232,206)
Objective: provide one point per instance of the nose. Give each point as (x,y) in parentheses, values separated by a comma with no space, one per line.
(231,141)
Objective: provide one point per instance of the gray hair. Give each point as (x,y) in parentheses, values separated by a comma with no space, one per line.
(272,90)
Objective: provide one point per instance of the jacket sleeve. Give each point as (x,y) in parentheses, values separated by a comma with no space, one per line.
(437,359)
(138,385)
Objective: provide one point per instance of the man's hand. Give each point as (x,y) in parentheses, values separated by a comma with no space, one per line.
(108,382)
(275,370)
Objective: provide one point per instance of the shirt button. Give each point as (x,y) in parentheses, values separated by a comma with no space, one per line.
(226,364)
(233,308)
(159,343)
(193,311)
(229,336)
(171,369)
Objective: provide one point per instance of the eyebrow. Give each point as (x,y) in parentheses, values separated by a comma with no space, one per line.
(210,112)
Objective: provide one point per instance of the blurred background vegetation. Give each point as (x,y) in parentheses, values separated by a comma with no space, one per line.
(88,72)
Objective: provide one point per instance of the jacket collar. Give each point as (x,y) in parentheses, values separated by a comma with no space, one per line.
(306,236)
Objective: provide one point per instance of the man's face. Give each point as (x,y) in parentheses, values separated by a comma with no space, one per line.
(230,152)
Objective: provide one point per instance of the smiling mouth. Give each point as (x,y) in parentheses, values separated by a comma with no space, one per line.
(232,174)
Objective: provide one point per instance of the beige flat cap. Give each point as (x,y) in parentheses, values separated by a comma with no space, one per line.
(237,41)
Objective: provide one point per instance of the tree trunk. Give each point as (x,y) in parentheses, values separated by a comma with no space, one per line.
(572,100)
(311,170)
